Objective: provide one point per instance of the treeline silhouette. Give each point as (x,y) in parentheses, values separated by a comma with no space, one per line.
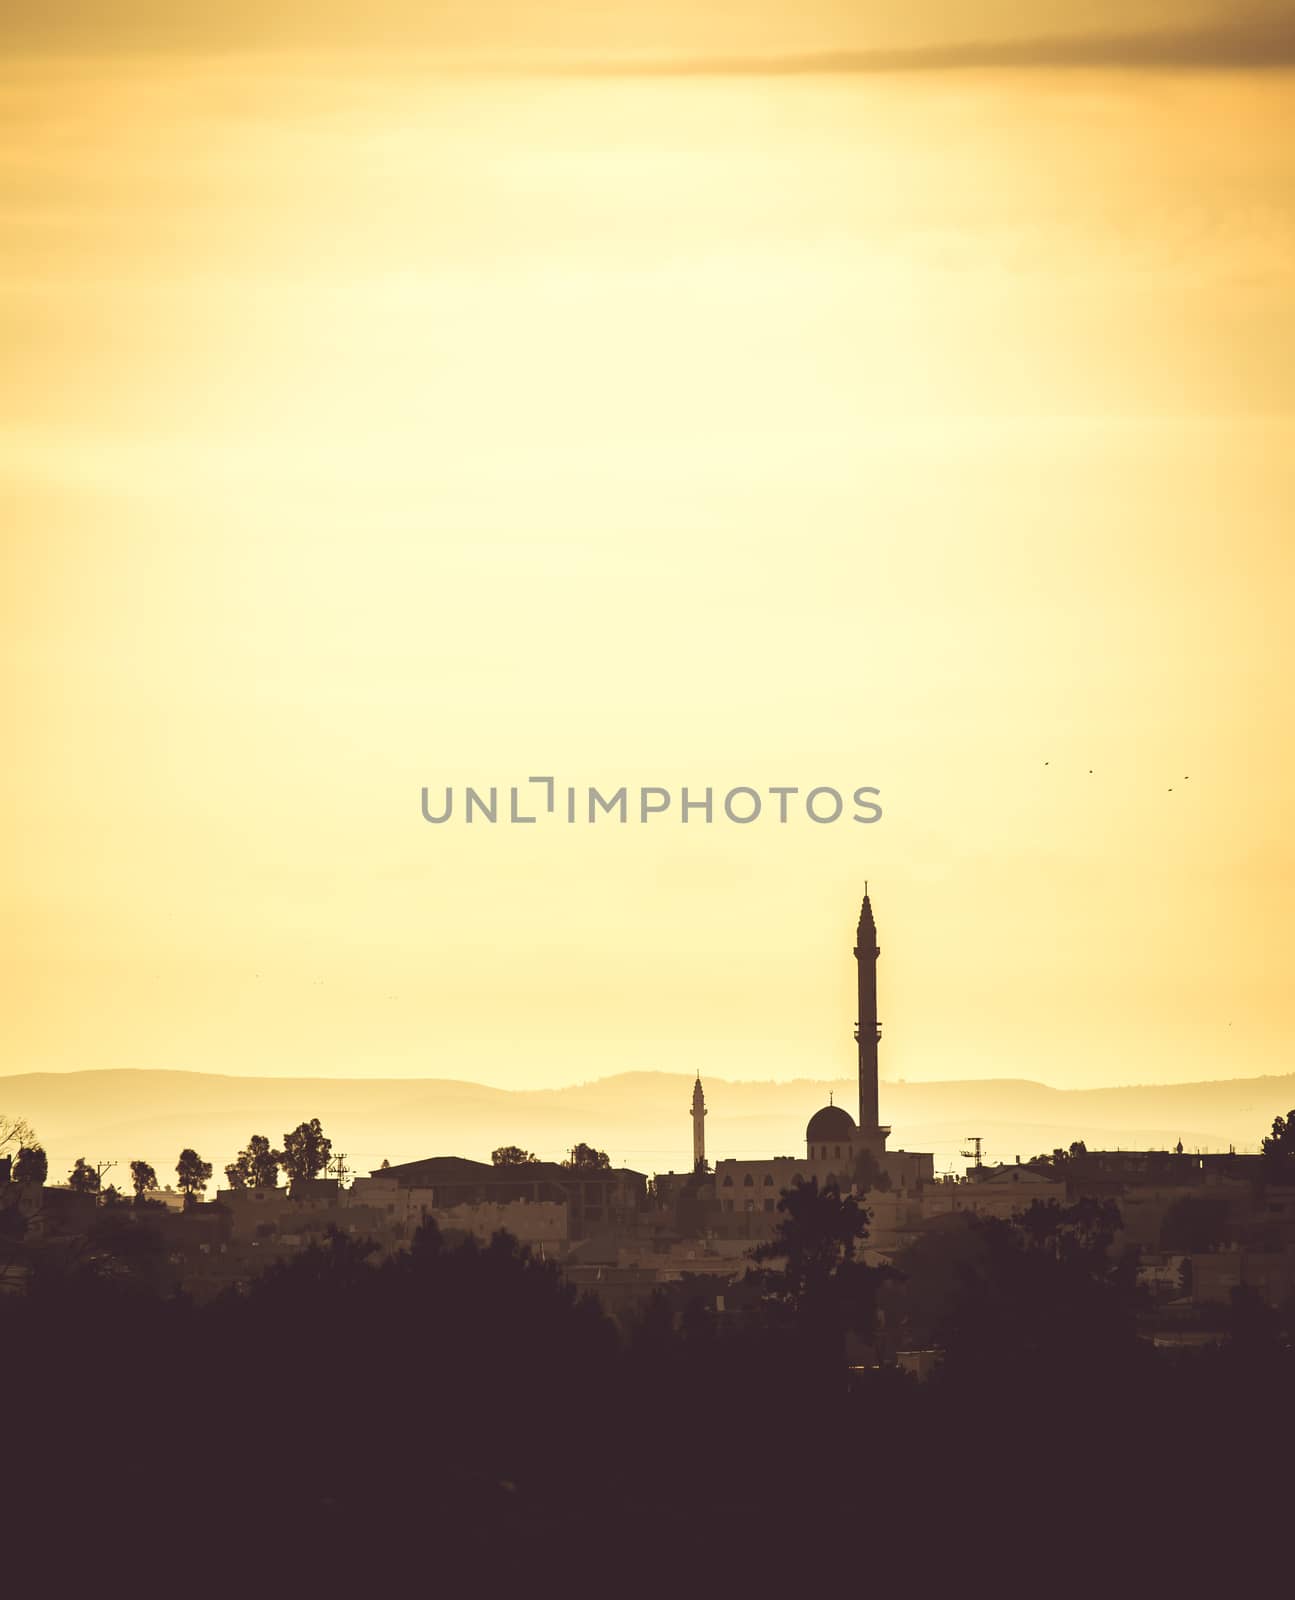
(460,1407)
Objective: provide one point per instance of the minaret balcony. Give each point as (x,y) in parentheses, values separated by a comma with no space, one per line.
(858,1031)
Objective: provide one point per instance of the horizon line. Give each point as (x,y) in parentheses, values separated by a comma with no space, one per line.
(686,1074)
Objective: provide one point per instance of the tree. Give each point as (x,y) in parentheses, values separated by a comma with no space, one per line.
(124,1248)
(1088,1227)
(1059,1157)
(32,1165)
(930,1270)
(257,1166)
(869,1174)
(83,1179)
(1279,1150)
(15,1131)
(512,1155)
(112,1196)
(1046,1300)
(1193,1224)
(306,1151)
(586,1159)
(144,1179)
(194,1174)
(823,1280)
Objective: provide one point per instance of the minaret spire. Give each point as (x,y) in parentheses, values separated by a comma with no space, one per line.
(868,1030)
(698,1126)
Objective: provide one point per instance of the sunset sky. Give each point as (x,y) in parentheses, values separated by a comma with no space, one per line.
(760,394)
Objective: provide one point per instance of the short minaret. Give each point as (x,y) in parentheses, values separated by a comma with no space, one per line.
(868,1030)
(698,1126)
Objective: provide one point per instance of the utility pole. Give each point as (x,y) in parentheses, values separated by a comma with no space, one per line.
(976,1141)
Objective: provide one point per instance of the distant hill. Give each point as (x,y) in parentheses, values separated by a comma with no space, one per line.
(640,1118)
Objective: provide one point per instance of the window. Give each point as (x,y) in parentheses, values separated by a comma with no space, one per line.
(728,1181)
(838,1152)
(748,1182)
(768,1205)
(768,1181)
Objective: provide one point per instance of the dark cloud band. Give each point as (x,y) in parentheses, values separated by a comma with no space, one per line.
(1245,44)
(400,31)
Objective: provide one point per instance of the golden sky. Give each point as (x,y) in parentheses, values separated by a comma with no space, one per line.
(392,401)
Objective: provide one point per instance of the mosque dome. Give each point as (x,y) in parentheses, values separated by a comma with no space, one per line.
(832,1122)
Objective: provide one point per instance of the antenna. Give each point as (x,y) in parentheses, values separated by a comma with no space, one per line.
(975,1140)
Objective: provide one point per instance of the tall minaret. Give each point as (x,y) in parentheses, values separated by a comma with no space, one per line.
(868,1030)
(698,1125)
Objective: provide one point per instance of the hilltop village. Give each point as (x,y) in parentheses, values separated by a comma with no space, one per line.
(1200,1226)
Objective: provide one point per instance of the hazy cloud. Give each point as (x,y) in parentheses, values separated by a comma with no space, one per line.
(679,37)
(1243,43)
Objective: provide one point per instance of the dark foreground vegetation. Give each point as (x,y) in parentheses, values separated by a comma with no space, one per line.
(456,1412)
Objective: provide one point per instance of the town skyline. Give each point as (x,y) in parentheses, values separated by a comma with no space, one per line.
(134,1105)
(634,1115)
(648,877)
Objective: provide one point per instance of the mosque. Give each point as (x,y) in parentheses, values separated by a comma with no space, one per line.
(838,1150)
